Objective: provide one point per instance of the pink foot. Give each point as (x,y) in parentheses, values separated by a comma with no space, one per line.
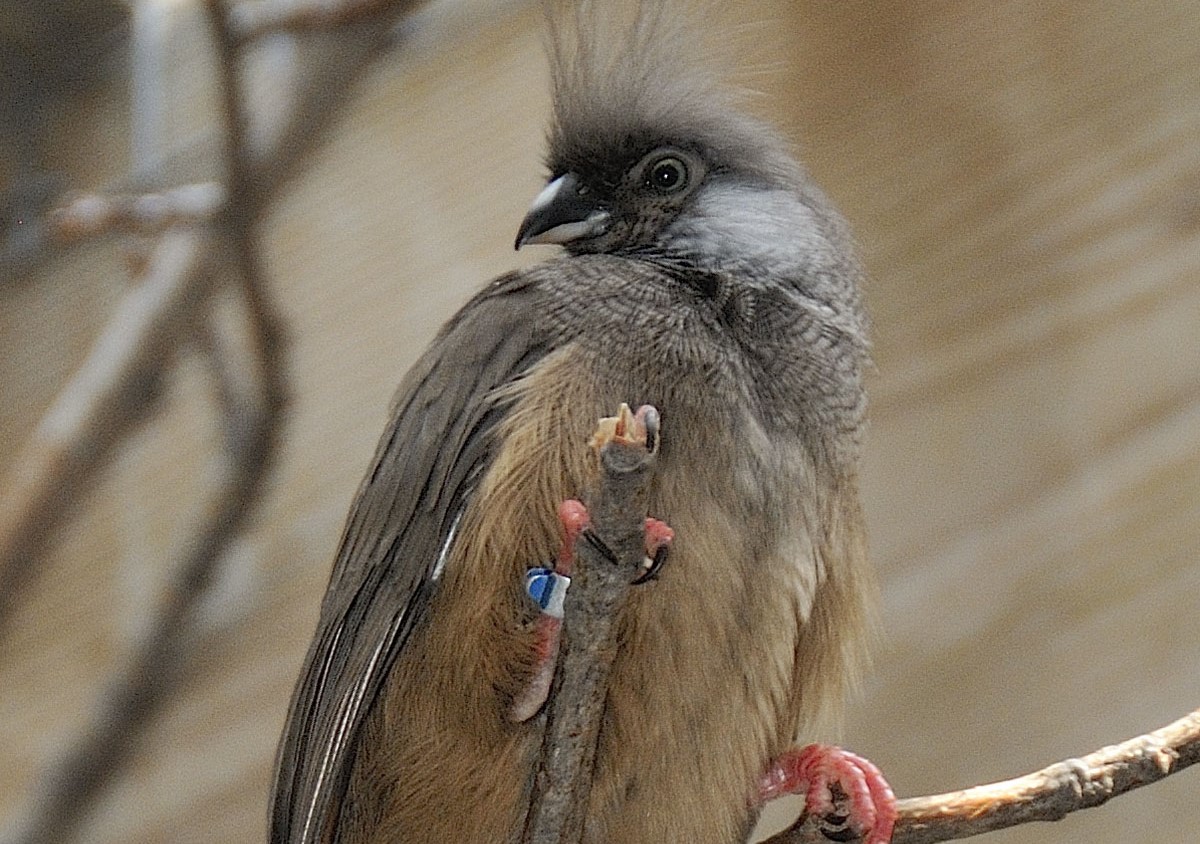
(573,518)
(658,541)
(550,590)
(847,792)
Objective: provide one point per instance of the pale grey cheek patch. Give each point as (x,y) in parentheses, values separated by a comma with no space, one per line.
(767,228)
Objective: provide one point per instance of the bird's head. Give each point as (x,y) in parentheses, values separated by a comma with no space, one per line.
(651,157)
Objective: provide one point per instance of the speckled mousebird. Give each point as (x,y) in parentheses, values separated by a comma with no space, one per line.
(705,274)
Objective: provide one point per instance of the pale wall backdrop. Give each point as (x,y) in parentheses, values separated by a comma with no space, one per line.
(1024,180)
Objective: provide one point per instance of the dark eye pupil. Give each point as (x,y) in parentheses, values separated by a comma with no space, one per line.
(668,174)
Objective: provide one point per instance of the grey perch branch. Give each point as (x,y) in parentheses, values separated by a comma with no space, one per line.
(617,510)
(1046,795)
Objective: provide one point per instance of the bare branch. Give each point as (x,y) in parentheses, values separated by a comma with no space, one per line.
(245,196)
(575,706)
(138,691)
(95,413)
(91,214)
(319,68)
(150,49)
(1046,795)
(109,393)
(253,20)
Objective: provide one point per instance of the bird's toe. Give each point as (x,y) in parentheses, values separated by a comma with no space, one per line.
(847,793)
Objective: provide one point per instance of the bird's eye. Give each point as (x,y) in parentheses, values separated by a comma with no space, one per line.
(667,175)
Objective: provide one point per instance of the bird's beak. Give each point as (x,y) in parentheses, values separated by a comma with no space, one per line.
(561,213)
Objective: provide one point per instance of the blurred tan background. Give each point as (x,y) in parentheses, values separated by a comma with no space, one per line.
(1024,179)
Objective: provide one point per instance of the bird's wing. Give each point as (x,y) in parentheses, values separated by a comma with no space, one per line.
(398,533)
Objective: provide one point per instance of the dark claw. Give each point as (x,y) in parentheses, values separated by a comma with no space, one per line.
(599,544)
(842,836)
(834,825)
(649,414)
(656,564)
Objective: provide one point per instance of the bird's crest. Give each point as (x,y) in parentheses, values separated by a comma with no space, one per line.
(616,61)
(622,70)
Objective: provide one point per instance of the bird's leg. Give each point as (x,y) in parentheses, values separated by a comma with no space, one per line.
(845,791)
(548,586)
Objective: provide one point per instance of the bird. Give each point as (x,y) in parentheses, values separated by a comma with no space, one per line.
(701,271)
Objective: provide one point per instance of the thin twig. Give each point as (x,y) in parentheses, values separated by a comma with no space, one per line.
(150,49)
(1046,795)
(98,406)
(575,707)
(322,72)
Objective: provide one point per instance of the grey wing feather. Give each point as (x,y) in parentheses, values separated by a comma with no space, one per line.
(396,539)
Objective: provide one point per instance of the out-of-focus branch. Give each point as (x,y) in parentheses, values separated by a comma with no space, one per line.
(322,67)
(136,692)
(92,214)
(58,461)
(95,411)
(308,79)
(242,217)
(1046,795)
(106,396)
(149,106)
(277,95)
(253,20)
(252,425)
